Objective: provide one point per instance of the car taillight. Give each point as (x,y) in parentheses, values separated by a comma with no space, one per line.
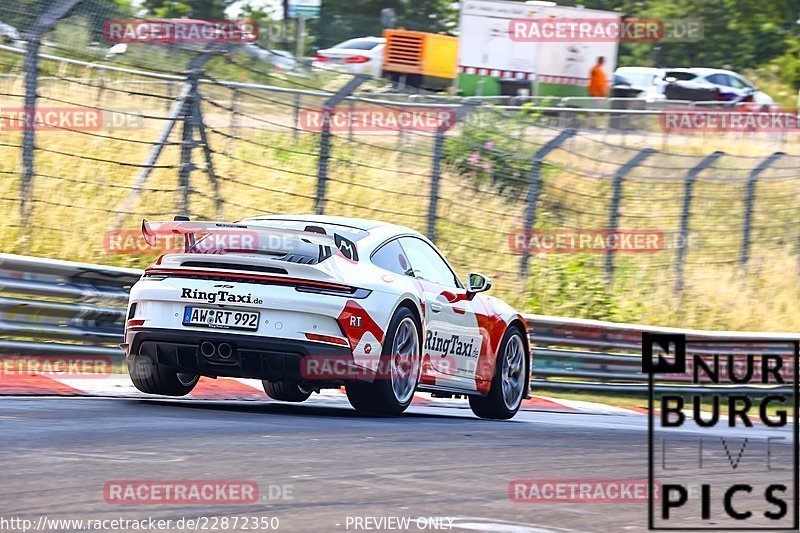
(321,58)
(326,338)
(356,59)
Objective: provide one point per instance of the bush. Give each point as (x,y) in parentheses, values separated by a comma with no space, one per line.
(491,150)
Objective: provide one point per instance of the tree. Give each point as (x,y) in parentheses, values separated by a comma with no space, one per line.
(340,20)
(197,9)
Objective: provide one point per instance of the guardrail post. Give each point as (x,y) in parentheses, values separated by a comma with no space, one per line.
(534,187)
(749,201)
(436,169)
(688,191)
(616,199)
(325,140)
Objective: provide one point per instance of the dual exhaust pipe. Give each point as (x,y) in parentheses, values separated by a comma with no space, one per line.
(210,349)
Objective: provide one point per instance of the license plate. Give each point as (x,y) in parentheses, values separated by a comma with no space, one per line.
(220,318)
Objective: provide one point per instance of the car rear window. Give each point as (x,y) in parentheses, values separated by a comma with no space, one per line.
(679,75)
(289,249)
(358,44)
(348,232)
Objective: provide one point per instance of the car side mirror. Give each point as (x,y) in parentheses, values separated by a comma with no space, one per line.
(477,283)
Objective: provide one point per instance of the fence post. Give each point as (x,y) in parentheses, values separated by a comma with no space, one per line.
(298,104)
(534,187)
(28,134)
(325,140)
(187,146)
(436,168)
(180,108)
(688,191)
(616,199)
(212,175)
(234,122)
(45,21)
(750,198)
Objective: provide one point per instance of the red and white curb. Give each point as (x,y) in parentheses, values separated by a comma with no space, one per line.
(120,386)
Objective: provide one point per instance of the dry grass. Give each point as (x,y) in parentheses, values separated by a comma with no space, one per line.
(78,200)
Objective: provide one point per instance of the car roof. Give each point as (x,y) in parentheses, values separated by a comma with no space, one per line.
(356,223)
(703,71)
(371,38)
(652,70)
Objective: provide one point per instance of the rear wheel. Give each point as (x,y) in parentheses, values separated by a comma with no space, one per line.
(398,373)
(509,380)
(285,392)
(153,378)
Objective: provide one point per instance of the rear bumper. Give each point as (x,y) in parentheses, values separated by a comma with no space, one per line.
(252,356)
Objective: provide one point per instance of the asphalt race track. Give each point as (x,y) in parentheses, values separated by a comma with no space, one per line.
(433,462)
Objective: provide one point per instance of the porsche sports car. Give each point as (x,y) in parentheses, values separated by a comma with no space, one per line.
(311,302)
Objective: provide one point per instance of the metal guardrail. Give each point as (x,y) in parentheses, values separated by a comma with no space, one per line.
(62,308)
(67,309)
(592,355)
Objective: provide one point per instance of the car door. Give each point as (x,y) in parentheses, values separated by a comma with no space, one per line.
(453,342)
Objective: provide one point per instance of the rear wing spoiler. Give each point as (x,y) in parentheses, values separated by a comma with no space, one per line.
(151,230)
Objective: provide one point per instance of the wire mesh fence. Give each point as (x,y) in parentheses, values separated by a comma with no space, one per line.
(591,214)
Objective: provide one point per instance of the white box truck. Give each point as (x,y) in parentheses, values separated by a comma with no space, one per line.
(491,62)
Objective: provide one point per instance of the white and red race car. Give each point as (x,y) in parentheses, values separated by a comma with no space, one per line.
(311,302)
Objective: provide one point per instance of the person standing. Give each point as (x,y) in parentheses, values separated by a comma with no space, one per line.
(598,86)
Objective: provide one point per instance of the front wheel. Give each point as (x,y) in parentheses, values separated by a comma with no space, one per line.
(509,381)
(153,378)
(398,372)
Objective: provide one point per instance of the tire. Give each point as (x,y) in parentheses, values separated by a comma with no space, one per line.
(510,376)
(398,376)
(152,378)
(284,391)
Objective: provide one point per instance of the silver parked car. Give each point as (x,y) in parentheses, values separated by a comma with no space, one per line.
(727,85)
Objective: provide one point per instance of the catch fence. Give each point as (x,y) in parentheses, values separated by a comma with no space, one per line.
(505,190)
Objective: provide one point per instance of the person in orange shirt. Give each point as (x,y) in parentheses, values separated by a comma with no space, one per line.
(598,86)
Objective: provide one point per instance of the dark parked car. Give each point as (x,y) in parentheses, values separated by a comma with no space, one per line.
(622,88)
